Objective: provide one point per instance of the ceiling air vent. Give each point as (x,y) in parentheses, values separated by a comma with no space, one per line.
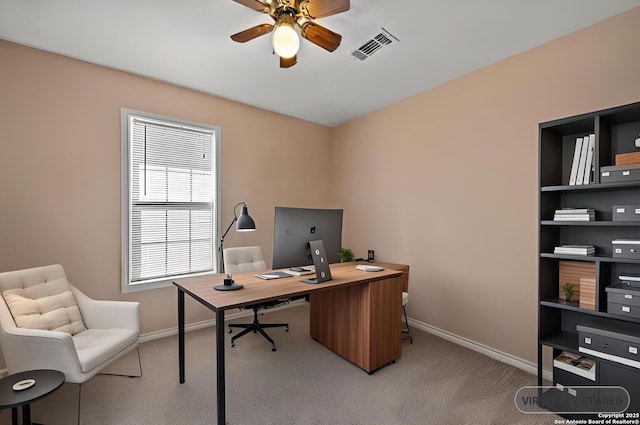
(381,40)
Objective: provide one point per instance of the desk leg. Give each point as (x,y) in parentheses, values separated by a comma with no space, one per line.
(181,334)
(14,416)
(220,384)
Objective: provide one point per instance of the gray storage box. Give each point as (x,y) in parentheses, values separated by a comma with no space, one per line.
(626,248)
(626,213)
(611,344)
(623,301)
(621,295)
(620,173)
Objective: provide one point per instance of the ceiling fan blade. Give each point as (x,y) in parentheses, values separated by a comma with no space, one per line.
(288,63)
(318,8)
(254,4)
(251,33)
(320,36)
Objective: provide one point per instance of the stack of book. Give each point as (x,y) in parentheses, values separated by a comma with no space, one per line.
(575,214)
(575,250)
(582,167)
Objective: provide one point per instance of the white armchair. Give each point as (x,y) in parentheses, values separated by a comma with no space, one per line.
(109,329)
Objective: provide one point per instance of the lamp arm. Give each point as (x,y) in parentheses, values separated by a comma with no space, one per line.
(226,231)
(235,218)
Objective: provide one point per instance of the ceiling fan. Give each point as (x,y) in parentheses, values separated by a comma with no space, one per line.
(287,14)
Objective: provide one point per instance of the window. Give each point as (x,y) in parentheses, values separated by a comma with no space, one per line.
(169,199)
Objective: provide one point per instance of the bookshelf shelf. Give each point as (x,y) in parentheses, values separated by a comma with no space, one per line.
(614,132)
(563,341)
(574,306)
(593,187)
(590,258)
(591,223)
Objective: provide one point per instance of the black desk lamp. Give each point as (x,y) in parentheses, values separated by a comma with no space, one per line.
(244,223)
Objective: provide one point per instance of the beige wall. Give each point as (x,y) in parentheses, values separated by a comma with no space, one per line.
(60,168)
(446,181)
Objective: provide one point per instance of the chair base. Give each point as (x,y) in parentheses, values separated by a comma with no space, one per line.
(406,332)
(256,326)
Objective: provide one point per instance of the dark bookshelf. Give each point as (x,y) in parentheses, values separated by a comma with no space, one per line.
(615,131)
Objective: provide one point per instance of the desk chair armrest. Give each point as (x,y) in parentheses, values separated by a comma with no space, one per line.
(103,314)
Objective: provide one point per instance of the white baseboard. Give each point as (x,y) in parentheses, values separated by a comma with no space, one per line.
(501,356)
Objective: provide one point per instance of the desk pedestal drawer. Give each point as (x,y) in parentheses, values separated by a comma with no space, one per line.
(357,321)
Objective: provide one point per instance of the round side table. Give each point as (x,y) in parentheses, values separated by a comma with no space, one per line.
(47,381)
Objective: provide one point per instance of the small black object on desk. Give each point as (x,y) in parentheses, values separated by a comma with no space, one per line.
(46,382)
(228,284)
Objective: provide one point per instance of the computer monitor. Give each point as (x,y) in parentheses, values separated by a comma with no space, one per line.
(294,228)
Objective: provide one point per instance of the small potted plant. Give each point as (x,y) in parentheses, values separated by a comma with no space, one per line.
(568,291)
(345,255)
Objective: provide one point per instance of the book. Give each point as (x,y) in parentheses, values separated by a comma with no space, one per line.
(588,165)
(575,250)
(583,160)
(632,281)
(369,268)
(273,275)
(575,214)
(300,271)
(575,210)
(576,161)
(576,364)
(576,247)
(576,217)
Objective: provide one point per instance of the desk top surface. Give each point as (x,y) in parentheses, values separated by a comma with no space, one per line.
(259,290)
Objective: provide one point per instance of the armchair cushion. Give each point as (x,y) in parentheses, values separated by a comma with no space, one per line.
(96,346)
(35,307)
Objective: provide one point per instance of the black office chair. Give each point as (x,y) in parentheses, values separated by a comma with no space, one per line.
(406,332)
(250,259)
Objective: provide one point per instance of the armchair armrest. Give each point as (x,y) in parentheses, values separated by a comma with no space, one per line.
(27,349)
(102,314)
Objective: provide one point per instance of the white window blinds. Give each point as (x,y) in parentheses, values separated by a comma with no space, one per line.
(171,200)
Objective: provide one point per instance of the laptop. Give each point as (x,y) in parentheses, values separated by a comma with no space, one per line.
(323,272)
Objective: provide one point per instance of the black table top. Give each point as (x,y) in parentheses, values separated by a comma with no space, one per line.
(47,381)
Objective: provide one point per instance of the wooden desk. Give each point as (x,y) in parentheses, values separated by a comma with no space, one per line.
(357,314)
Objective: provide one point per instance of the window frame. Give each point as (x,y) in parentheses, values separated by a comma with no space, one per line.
(127,202)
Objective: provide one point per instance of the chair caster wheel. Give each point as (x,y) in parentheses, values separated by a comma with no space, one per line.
(273,349)
(229,330)
(286,330)
(233,345)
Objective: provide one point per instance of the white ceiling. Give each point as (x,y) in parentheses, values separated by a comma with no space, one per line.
(186,42)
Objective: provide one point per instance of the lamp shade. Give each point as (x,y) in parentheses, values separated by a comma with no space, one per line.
(245,223)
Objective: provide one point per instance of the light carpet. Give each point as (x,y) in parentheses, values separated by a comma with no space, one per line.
(302,383)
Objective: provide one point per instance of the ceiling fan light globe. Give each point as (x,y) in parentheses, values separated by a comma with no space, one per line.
(285,41)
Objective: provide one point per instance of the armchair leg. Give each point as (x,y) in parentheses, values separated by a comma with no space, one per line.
(79,398)
(112,374)
(130,376)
